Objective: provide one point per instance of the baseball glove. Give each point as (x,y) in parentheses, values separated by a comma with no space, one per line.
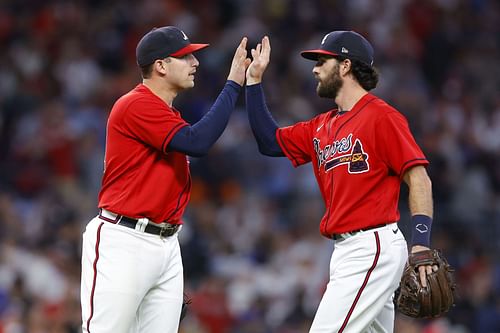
(436,298)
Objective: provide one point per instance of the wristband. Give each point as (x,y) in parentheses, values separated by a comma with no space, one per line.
(421,231)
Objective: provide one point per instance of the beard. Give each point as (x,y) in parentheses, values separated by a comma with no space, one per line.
(329,88)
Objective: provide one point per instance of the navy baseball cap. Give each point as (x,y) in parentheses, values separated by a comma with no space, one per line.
(164,42)
(348,44)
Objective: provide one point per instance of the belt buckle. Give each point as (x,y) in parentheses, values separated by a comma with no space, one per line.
(167,230)
(345,235)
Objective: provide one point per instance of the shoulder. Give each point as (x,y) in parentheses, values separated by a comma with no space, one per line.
(139,100)
(313,125)
(380,109)
(140,94)
(323,117)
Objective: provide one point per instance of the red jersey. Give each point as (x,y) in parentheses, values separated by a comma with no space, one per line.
(141,178)
(359,158)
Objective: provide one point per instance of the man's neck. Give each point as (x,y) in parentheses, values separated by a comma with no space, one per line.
(348,96)
(164,93)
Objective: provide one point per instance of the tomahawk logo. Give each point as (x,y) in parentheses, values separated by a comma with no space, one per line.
(342,152)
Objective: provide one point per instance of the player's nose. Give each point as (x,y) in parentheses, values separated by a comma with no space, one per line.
(196,63)
(315,72)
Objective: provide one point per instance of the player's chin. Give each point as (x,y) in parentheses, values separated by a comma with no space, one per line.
(318,88)
(189,84)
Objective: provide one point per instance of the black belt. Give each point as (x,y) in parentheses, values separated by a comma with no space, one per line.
(352,233)
(162,230)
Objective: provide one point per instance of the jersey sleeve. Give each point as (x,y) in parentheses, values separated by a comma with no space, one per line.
(397,144)
(154,124)
(296,142)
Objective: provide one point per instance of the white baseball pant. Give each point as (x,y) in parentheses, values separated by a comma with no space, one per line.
(365,270)
(131,281)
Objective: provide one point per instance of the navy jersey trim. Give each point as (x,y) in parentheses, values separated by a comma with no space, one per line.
(170,134)
(403,167)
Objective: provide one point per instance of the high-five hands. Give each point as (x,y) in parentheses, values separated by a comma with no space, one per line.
(260,56)
(240,63)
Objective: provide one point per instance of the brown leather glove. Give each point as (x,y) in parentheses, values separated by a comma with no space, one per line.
(436,298)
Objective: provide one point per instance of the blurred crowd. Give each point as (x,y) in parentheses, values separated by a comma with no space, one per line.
(253,256)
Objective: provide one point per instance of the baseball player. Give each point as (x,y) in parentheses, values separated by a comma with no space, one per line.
(359,152)
(132,274)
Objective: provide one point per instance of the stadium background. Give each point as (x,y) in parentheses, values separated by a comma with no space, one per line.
(253,256)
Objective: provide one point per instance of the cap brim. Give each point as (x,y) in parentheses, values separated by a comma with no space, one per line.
(189,49)
(314,54)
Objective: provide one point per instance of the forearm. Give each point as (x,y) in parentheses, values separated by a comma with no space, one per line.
(420,203)
(197,139)
(261,121)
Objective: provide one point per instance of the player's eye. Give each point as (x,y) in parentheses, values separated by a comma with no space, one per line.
(320,62)
(184,57)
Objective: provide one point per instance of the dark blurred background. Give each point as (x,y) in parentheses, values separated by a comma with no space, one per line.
(253,256)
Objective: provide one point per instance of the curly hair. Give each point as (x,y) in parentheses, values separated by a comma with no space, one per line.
(366,75)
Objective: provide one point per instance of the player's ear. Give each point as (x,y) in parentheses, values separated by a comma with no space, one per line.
(345,66)
(161,65)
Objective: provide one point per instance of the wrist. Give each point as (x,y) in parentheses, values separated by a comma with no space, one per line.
(233,84)
(421,230)
(236,80)
(253,80)
(419,248)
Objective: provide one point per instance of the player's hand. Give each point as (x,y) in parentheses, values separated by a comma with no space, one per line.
(240,63)
(260,55)
(423,270)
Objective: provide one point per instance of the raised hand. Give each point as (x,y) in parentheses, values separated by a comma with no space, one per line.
(260,61)
(240,63)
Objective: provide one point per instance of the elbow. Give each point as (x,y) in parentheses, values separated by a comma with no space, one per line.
(197,153)
(428,183)
(200,149)
(263,148)
(200,152)
(265,151)
(428,180)
(424,179)
(417,176)
(269,151)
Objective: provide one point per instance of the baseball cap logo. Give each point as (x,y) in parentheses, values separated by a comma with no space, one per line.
(324,38)
(348,44)
(184,35)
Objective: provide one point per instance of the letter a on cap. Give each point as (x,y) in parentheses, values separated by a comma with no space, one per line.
(324,38)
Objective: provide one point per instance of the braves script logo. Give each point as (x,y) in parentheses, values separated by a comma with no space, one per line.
(342,152)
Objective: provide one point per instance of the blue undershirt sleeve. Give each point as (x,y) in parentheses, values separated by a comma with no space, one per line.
(197,139)
(262,122)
